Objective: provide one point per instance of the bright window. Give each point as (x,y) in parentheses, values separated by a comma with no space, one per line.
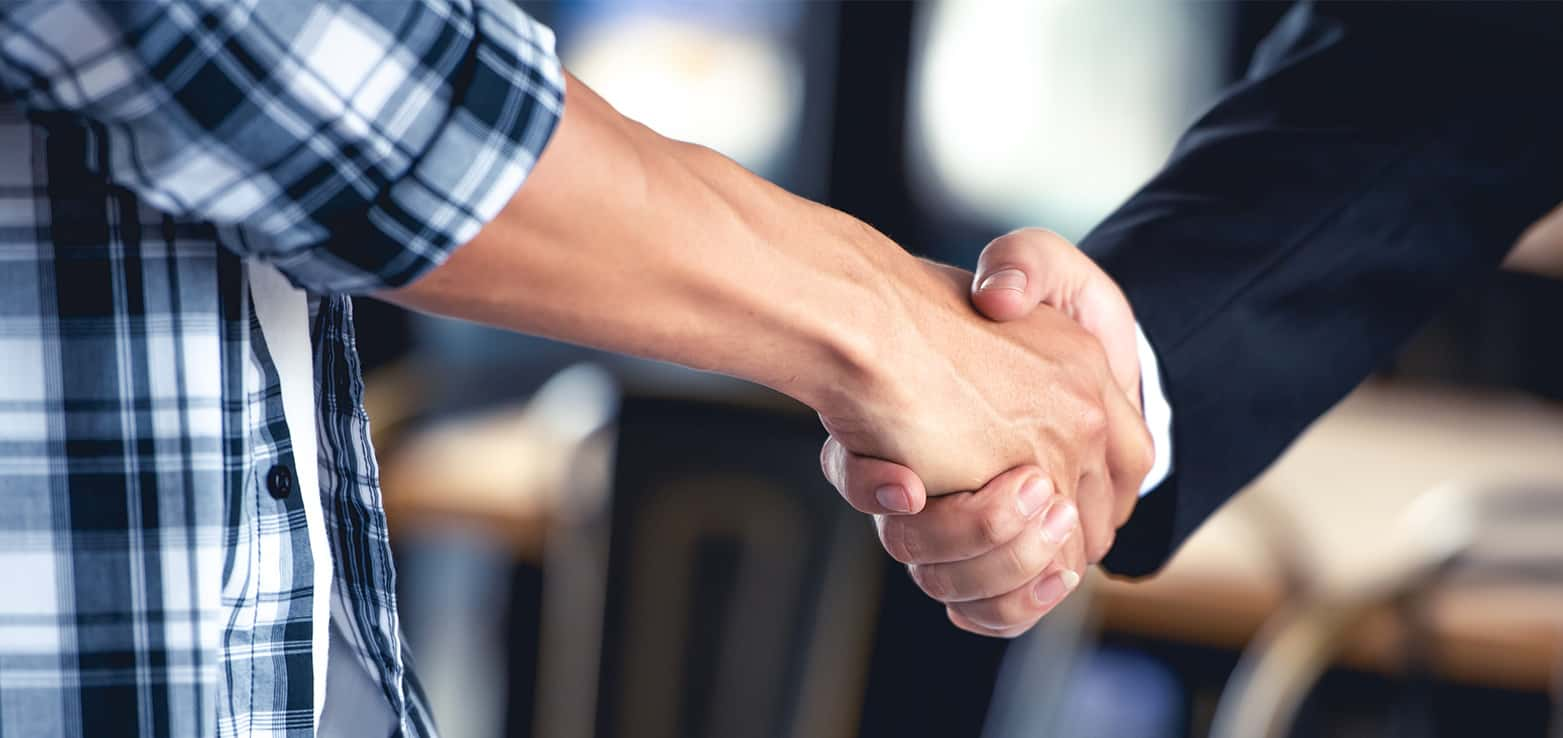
(1051,113)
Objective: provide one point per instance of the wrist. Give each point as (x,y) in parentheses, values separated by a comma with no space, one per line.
(889,357)
(869,332)
(803,290)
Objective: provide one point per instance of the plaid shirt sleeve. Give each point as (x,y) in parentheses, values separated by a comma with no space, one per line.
(352,144)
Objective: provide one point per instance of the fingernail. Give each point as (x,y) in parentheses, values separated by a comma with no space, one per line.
(1004,279)
(1059,523)
(893,497)
(1034,493)
(1052,589)
(1071,579)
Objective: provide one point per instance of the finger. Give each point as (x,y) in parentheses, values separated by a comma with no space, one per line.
(1096,501)
(1023,606)
(870,485)
(1071,556)
(1019,270)
(1005,568)
(1031,266)
(1130,454)
(964,525)
(964,623)
(1102,310)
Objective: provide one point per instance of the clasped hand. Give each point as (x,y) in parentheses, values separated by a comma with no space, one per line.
(1020,443)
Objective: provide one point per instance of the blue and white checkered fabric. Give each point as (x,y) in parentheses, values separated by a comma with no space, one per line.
(149,584)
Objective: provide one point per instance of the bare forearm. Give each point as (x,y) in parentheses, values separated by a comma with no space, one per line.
(628,241)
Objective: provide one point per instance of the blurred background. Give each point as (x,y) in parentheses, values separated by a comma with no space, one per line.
(592,546)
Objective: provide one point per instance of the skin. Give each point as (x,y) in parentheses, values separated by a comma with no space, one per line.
(1015,274)
(977,552)
(1539,250)
(627,241)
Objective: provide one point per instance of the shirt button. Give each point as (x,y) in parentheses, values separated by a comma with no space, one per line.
(279,481)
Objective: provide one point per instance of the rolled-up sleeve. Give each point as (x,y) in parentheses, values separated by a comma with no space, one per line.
(353,145)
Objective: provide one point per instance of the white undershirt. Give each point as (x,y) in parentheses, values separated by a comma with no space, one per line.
(357,706)
(1157,411)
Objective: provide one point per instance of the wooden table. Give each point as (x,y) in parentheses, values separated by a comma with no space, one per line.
(1352,474)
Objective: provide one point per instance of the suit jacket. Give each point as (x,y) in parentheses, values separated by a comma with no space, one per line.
(1375,158)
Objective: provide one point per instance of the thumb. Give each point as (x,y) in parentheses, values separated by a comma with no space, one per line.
(1103,311)
(871,485)
(1017,271)
(1032,266)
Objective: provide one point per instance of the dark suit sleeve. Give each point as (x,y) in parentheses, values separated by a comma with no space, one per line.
(1375,159)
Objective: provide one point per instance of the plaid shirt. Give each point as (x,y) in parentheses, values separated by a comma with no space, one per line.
(154,579)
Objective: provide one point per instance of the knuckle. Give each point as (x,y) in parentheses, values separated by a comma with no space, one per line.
(1092,420)
(1144,458)
(1006,633)
(961,622)
(892,535)
(994,526)
(933,581)
(912,544)
(1133,457)
(907,541)
(977,613)
(1011,610)
(1023,559)
(1015,630)
(830,464)
(1124,509)
(1086,349)
(997,613)
(1097,546)
(1023,627)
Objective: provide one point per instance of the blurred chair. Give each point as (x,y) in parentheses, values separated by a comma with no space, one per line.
(1519,543)
(1055,681)
(1300,642)
(726,593)
(1473,652)
(1036,674)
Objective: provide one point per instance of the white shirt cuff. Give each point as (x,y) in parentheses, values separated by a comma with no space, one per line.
(1158,414)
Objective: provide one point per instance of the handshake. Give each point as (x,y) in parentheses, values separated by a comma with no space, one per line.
(1015,432)
(1022,435)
